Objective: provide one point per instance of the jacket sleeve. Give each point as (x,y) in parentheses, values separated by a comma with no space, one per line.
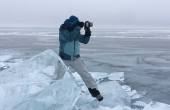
(69,36)
(83,39)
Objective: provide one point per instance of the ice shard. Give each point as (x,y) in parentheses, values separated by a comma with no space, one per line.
(40,83)
(157,106)
(113,94)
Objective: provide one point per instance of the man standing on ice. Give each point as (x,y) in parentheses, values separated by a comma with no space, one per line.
(69,37)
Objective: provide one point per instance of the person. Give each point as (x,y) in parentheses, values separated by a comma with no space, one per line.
(69,38)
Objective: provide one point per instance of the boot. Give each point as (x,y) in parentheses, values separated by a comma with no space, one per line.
(99,97)
(95,93)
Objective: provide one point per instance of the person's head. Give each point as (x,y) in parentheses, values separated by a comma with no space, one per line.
(71,22)
(73,19)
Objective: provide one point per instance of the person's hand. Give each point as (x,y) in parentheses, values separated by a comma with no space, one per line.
(80,24)
(87,33)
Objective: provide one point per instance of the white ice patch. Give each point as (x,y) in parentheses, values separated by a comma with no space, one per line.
(139,103)
(126,88)
(3,65)
(5,58)
(157,106)
(33,76)
(49,70)
(116,76)
(3,93)
(133,94)
(115,108)
(35,89)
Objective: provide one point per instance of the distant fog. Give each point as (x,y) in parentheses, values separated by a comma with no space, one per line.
(117,14)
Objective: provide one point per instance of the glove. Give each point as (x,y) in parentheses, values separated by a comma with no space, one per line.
(87,33)
(80,24)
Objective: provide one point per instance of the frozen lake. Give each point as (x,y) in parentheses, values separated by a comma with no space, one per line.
(144,56)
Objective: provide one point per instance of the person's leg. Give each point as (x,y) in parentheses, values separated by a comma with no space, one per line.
(67,62)
(81,69)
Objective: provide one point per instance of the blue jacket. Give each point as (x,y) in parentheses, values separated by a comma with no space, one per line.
(69,43)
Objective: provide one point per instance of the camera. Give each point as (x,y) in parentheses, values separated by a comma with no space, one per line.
(88,24)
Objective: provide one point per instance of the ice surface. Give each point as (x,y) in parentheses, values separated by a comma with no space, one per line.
(143,55)
(157,106)
(139,103)
(100,76)
(3,65)
(113,95)
(115,108)
(117,76)
(5,57)
(60,95)
(126,88)
(40,83)
(43,83)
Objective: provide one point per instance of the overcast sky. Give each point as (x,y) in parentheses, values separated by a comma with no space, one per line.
(137,14)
